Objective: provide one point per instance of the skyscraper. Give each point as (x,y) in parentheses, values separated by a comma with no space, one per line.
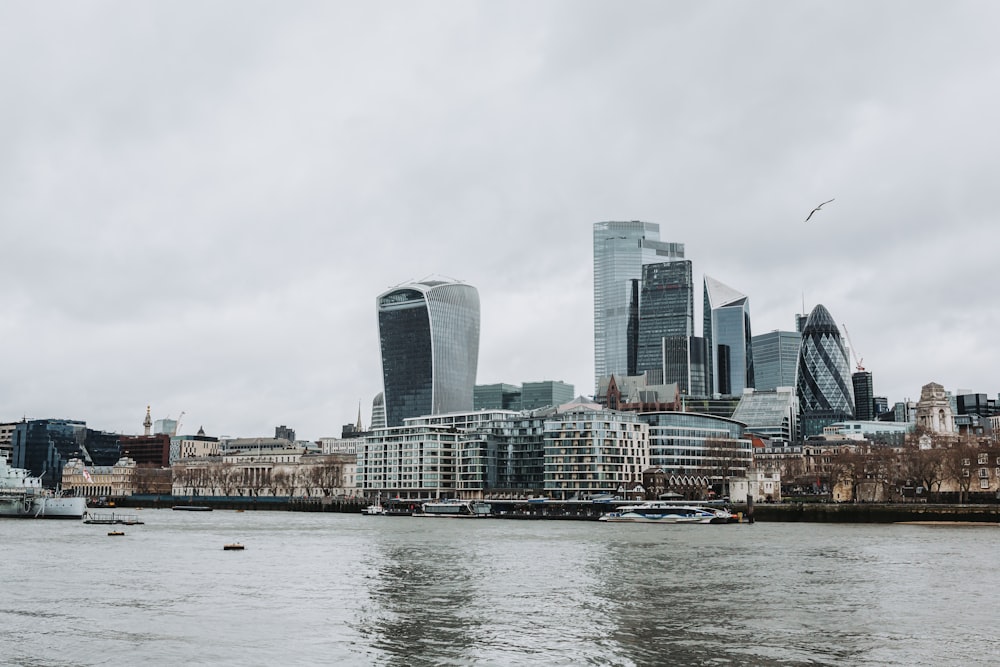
(864,395)
(775,359)
(666,310)
(824,387)
(429,334)
(727,339)
(620,251)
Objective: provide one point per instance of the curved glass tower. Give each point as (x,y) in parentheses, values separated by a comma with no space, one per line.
(824,382)
(429,335)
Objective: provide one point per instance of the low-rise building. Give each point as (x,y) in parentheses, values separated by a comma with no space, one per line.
(116,481)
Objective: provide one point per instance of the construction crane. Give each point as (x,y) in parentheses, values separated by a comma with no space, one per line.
(850,344)
(177,424)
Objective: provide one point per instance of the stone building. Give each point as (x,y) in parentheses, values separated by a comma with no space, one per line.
(934,412)
(117,481)
(282,472)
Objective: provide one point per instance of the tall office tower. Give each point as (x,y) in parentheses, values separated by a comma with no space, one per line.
(864,395)
(684,363)
(729,354)
(429,334)
(775,359)
(824,390)
(666,311)
(620,251)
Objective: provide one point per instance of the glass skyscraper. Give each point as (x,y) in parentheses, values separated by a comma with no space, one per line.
(429,335)
(824,382)
(775,359)
(666,310)
(620,251)
(726,317)
(864,396)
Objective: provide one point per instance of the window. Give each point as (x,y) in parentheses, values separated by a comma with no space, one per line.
(965,473)
(965,462)
(984,458)
(984,473)
(984,484)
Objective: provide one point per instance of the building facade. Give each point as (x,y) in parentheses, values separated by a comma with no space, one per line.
(535,395)
(775,359)
(726,313)
(621,248)
(771,414)
(429,339)
(591,451)
(697,451)
(666,313)
(45,446)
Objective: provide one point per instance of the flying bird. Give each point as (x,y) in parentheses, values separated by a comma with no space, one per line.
(816,209)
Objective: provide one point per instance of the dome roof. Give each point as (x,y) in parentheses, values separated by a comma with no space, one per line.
(820,322)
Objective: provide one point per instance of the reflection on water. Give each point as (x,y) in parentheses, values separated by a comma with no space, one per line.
(335,589)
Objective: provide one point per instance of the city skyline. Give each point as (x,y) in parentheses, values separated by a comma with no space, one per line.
(199,209)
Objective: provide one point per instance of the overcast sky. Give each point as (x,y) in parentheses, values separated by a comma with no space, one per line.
(199,202)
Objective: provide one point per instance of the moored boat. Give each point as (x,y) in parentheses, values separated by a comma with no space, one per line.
(656,511)
(467,509)
(22,495)
(374,510)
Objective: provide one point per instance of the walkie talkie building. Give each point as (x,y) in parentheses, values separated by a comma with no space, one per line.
(429,336)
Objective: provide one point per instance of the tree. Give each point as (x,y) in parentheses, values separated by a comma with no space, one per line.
(957,464)
(723,458)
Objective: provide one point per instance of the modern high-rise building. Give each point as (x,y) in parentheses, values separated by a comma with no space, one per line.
(775,359)
(429,335)
(499,396)
(864,396)
(666,313)
(726,316)
(824,386)
(620,251)
(553,393)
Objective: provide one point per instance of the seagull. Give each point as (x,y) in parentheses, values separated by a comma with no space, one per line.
(816,209)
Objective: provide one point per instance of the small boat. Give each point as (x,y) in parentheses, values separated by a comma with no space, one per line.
(235,546)
(374,510)
(463,509)
(115,533)
(664,512)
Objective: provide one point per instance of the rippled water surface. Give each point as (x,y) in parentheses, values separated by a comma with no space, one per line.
(346,589)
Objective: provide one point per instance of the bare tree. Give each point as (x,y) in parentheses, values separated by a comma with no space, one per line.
(723,458)
(957,464)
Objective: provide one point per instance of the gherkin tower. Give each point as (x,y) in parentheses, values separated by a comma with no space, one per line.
(824,383)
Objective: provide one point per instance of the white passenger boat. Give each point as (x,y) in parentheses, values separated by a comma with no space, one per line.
(657,511)
(22,495)
(468,509)
(374,510)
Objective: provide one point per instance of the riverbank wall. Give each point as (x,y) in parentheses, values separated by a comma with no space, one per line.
(874,513)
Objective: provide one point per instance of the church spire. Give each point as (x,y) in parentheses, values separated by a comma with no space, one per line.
(148,422)
(359,417)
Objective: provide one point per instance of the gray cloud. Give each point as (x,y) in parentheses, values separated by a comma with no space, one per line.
(200,204)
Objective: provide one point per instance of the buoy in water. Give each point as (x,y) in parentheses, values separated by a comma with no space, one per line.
(233,547)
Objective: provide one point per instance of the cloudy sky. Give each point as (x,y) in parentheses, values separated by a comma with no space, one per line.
(199,202)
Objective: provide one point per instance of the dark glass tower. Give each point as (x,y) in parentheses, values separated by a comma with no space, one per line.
(666,310)
(864,395)
(429,335)
(825,392)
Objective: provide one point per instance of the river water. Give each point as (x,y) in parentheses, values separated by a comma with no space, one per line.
(315,589)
